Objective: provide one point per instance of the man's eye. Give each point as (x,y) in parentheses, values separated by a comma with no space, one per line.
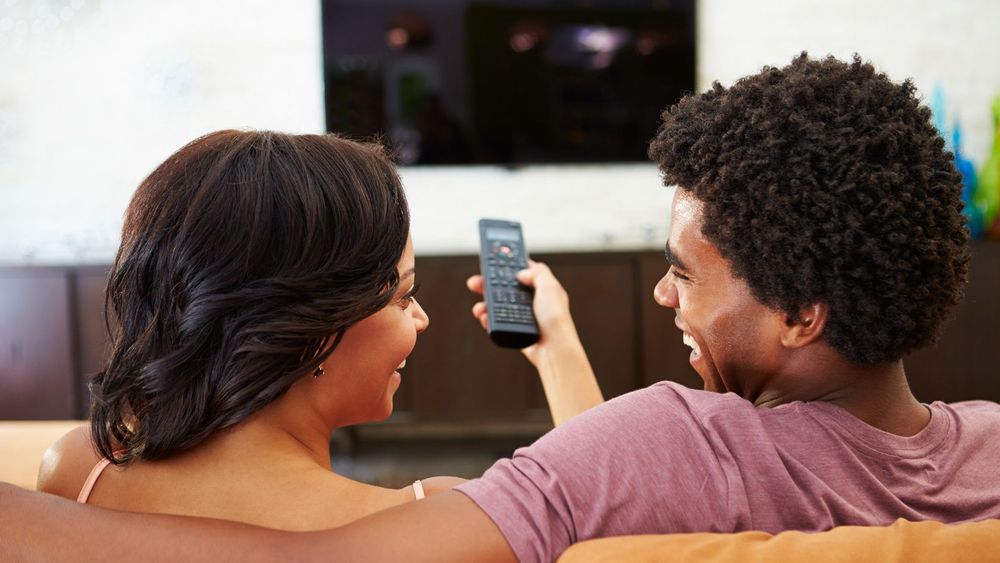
(673,271)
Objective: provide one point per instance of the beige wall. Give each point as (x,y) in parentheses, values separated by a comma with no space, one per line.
(91,102)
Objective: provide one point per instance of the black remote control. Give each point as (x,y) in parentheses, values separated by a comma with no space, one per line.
(501,255)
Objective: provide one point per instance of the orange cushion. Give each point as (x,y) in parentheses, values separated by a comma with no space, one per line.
(903,541)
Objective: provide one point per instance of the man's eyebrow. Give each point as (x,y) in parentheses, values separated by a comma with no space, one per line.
(671,259)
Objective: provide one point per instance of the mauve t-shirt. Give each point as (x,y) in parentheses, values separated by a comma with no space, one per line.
(671,459)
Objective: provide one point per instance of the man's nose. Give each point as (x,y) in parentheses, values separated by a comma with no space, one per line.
(665,292)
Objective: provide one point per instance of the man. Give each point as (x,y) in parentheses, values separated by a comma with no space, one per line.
(815,240)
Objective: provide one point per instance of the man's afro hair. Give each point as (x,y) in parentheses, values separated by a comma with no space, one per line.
(824,181)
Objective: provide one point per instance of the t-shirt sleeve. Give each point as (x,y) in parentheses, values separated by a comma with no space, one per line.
(641,463)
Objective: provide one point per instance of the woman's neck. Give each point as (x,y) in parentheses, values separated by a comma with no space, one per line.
(276,433)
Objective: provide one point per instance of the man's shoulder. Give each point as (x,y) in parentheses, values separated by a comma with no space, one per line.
(674,399)
(662,410)
(987,409)
(976,416)
(722,420)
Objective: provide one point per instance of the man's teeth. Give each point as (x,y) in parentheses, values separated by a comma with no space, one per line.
(689,341)
(401,366)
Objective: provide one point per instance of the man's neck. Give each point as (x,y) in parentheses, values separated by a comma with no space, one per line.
(883,399)
(877,394)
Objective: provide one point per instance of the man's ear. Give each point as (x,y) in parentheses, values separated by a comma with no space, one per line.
(806,327)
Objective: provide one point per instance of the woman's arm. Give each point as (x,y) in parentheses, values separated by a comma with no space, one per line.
(567,377)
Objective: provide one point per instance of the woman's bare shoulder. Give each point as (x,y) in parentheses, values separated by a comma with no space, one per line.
(436,485)
(67,463)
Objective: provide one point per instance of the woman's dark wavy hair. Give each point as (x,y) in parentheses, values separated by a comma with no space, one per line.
(244,257)
(824,181)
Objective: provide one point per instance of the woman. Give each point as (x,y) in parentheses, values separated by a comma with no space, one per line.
(263,297)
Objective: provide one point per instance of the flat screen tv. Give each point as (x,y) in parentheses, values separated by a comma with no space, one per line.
(506,82)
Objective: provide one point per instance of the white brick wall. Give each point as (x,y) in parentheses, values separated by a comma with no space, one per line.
(95,93)
(90,104)
(955,44)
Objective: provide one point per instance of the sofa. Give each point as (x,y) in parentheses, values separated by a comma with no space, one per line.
(22,444)
(900,542)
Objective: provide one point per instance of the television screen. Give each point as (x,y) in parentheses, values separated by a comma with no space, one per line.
(506,82)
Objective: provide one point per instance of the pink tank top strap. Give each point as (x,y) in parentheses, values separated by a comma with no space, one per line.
(418,489)
(88,485)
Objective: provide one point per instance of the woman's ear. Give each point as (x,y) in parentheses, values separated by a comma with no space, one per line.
(805,327)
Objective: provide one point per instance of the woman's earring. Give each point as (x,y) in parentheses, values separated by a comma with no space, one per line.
(319,371)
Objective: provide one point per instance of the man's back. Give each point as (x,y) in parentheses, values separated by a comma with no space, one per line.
(670,459)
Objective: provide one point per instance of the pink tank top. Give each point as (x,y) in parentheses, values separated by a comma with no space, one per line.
(88,485)
(95,474)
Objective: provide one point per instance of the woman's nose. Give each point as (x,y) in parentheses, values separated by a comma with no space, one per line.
(420,318)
